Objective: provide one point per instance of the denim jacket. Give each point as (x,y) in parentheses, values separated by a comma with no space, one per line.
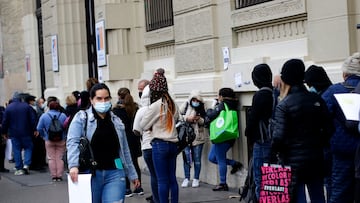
(76,130)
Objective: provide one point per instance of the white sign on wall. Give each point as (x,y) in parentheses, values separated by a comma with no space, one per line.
(54,53)
(27,67)
(100,43)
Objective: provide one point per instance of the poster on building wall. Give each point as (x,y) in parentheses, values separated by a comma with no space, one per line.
(1,67)
(54,53)
(100,43)
(27,67)
(226,57)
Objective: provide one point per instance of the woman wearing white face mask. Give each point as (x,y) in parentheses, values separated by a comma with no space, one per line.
(193,111)
(106,134)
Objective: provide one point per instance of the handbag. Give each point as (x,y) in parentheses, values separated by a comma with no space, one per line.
(186,135)
(275,183)
(86,157)
(87,161)
(225,126)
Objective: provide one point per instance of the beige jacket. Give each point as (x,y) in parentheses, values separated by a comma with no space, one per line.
(151,121)
(202,134)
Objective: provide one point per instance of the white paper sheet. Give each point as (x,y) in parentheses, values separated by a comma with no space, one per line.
(80,191)
(349,104)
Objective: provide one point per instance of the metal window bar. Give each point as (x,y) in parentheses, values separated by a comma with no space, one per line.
(158,14)
(246,3)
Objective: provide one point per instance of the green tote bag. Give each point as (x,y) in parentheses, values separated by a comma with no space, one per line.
(225,126)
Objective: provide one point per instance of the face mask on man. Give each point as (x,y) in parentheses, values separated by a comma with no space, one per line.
(102,107)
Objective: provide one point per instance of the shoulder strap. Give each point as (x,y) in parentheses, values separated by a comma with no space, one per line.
(85,125)
(348,87)
(226,107)
(185,109)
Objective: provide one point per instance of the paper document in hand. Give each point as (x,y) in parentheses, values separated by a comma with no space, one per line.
(81,190)
(349,104)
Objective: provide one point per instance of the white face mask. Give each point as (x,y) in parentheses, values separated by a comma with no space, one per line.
(195,104)
(102,107)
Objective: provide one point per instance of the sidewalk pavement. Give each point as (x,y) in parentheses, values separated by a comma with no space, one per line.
(39,188)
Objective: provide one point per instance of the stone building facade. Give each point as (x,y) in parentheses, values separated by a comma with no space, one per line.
(191,48)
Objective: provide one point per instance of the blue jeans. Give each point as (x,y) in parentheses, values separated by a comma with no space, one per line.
(261,154)
(19,143)
(108,186)
(194,156)
(147,154)
(217,155)
(315,189)
(164,157)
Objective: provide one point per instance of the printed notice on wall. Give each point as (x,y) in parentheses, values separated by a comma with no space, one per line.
(27,67)
(226,56)
(54,53)
(100,43)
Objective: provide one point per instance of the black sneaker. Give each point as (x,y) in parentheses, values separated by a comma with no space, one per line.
(138,191)
(26,171)
(4,170)
(221,187)
(237,166)
(128,193)
(149,198)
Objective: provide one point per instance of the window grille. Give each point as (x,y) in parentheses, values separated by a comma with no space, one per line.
(246,3)
(158,14)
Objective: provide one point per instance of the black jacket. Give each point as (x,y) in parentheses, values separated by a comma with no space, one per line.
(133,140)
(302,127)
(261,110)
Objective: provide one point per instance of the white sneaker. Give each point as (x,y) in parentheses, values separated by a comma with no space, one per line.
(185,183)
(19,172)
(195,183)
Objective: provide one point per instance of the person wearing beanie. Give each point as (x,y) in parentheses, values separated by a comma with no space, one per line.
(146,143)
(217,154)
(316,79)
(160,118)
(259,115)
(302,126)
(343,141)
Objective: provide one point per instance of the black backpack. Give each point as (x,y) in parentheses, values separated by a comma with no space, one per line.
(248,191)
(55,130)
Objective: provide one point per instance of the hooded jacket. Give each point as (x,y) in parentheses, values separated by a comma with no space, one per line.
(146,134)
(187,110)
(262,103)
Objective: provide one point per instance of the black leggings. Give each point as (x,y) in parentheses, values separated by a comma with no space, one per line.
(357,189)
(137,168)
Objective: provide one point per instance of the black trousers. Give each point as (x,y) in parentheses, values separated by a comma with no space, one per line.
(2,155)
(38,160)
(357,190)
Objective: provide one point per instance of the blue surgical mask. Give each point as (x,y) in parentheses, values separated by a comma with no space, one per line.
(312,89)
(195,104)
(102,107)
